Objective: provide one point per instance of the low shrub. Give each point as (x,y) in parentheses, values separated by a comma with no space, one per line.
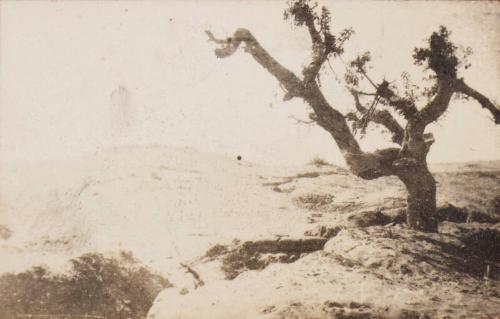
(95,286)
(317,161)
(314,201)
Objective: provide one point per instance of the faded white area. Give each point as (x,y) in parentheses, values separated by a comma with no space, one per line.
(81,76)
(166,205)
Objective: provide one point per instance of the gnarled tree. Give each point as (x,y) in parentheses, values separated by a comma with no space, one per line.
(387,107)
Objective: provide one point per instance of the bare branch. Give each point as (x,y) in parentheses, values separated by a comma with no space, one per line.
(357,103)
(213,39)
(311,71)
(364,165)
(299,121)
(366,93)
(320,54)
(331,120)
(385,118)
(381,117)
(435,108)
(302,12)
(461,87)
(368,78)
(198,282)
(373,165)
(328,118)
(229,46)
(404,106)
(359,65)
(320,50)
(311,27)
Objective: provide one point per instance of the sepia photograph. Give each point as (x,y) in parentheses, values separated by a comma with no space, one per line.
(241,159)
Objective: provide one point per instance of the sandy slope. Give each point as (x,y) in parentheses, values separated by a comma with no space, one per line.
(164,204)
(169,205)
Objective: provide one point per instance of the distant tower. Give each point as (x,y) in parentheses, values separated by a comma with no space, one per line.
(121,115)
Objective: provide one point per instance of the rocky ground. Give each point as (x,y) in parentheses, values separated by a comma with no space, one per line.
(239,240)
(358,260)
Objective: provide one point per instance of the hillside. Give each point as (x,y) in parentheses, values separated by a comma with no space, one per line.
(270,242)
(162,203)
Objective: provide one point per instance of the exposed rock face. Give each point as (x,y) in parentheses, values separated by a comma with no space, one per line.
(374,272)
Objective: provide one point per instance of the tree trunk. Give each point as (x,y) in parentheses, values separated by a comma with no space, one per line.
(421,200)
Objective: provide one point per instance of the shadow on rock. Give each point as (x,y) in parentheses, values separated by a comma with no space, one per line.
(257,255)
(399,253)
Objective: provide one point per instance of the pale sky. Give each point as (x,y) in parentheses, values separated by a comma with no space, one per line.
(77,77)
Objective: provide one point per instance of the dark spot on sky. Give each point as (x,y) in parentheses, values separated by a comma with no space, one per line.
(238,157)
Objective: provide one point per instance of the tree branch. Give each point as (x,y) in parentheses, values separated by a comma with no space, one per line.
(304,14)
(381,117)
(299,121)
(198,282)
(368,78)
(373,165)
(404,106)
(361,109)
(435,108)
(331,120)
(461,87)
(311,27)
(311,71)
(229,46)
(321,49)
(364,165)
(320,55)
(365,93)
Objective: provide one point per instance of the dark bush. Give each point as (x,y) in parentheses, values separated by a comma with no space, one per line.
(96,285)
(454,214)
(314,201)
